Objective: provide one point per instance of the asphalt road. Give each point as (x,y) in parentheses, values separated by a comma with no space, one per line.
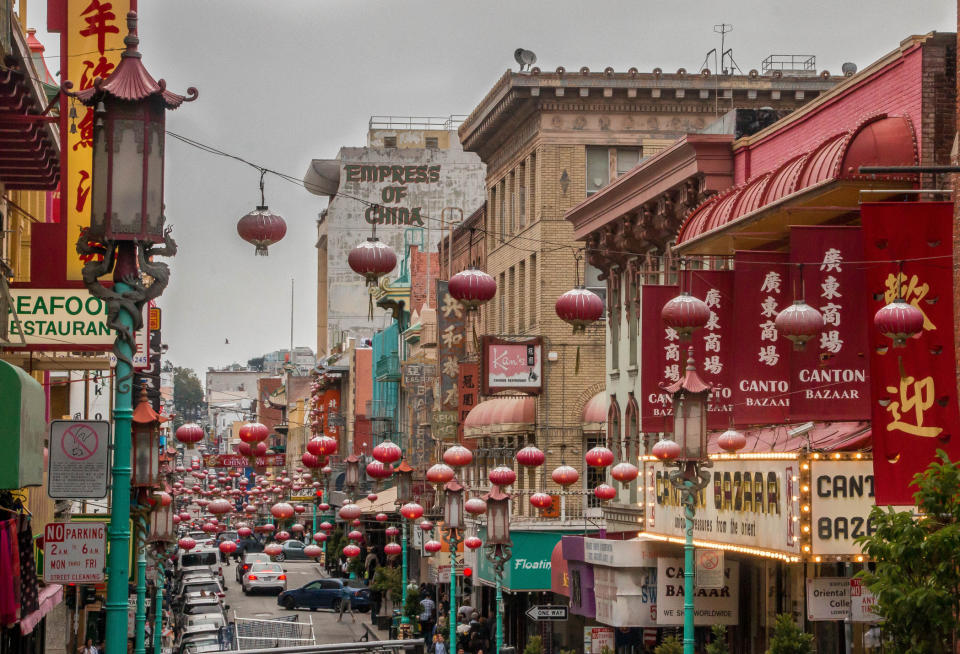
(264,606)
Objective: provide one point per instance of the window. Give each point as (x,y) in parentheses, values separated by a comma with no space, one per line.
(512,297)
(432,143)
(614,320)
(389,141)
(598,168)
(632,433)
(512,181)
(533,187)
(502,210)
(627,159)
(522,196)
(591,280)
(522,296)
(501,291)
(633,309)
(533,290)
(595,476)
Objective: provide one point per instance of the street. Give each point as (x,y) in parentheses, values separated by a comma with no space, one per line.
(263,606)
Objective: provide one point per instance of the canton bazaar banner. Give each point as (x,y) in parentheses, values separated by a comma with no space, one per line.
(656,359)
(829,377)
(913,387)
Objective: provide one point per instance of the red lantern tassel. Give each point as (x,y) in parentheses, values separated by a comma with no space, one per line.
(576,367)
(370,307)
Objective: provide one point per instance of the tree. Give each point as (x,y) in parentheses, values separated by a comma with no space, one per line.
(670,645)
(534,645)
(719,643)
(788,638)
(187,396)
(917,575)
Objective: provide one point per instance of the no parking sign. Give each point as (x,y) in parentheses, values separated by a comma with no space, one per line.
(79,459)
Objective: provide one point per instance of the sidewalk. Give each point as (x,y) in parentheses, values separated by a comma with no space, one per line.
(362,618)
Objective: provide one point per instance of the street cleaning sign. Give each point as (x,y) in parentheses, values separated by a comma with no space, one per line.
(58,319)
(79,459)
(74,552)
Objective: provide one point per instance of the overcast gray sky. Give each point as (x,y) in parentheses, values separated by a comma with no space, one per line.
(285,81)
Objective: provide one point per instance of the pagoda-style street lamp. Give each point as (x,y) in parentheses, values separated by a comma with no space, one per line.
(146,445)
(352,477)
(404,496)
(454,524)
(498,545)
(689,452)
(126,228)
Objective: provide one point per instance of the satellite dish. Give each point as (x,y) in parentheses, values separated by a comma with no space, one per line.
(524,58)
(849,69)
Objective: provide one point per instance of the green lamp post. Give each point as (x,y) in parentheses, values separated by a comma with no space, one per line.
(498,546)
(126,234)
(404,497)
(454,524)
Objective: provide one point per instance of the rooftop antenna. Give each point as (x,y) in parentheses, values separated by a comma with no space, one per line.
(524,58)
(723,29)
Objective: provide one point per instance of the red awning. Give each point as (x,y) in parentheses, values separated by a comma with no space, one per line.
(821,436)
(501,415)
(595,412)
(559,572)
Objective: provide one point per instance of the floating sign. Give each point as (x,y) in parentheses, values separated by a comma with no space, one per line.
(79,459)
(547,612)
(512,365)
(828,598)
(240,461)
(74,552)
(61,319)
(710,605)
(709,570)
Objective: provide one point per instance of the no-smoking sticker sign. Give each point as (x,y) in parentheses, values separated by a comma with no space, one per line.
(79,459)
(709,572)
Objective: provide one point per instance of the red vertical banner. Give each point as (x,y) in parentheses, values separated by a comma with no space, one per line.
(468,385)
(660,358)
(914,387)
(713,344)
(829,378)
(761,285)
(331,404)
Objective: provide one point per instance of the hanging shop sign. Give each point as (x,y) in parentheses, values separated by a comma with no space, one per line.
(828,598)
(710,605)
(529,567)
(748,503)
(658,363)
(451,327)
(635,553)
(863,603)
(416,375)
(625,597)
(713,350)
(914,395)
(240,461)
(58,319)
(468,386)
(74,552)
(761,395)
(829,378)
(78,459)
(512,365)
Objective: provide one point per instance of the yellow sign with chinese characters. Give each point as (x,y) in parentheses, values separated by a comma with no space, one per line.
(94,36)
(914,397)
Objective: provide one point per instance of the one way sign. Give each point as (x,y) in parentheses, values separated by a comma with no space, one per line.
(547,612)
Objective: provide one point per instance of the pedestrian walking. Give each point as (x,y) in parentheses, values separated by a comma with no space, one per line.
(439,646)
(89,648)
(427,608)
(376,599)
(346,604)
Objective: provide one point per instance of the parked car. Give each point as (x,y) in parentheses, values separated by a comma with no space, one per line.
(215,620)
(264,576)
(226,535)
(201,560)
(199,584)
(249,559)
(326,594)
(200,606)
(292,549)
(200,646)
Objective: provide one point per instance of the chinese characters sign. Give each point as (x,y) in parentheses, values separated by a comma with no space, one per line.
(657,365)
(468,385)
(93,42)
(913,387)
(829,376)
(713,347)
(762,356)
(451,326)
(512,365)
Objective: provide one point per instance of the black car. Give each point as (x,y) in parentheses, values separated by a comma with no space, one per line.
(326,594)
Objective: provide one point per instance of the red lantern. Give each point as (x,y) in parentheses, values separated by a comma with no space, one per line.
(473,542)
(391,531)
(392,549)
(311,460)
(351,551)
(531,456)
(624,472)
(209,527)
(599,457)
(432,546)
(220,507)
(666,450)
(185,516)
(262,228)
(313,551)
(189,434)
(685,314)
(502,476)
(372,497)
(253,432)
(323,506)
(320,537)
(387,452)
(457,456)
(267,528)
(186,544)
(326,526)
(273,549)
(475,506)
(228,547)
(349,512)
(411,510)
(372,259)
(299,508)
(580,308)
(440,473)
(541,500)
(355,535)
(799,323)
(472,288)
(426,525)
(899,321)
(605,492)
(322,445)
(176,519)
(244,532)
(732,441)
(565,475)
(379,470)
(381,517)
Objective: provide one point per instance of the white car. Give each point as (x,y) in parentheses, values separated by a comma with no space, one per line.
(264,576)
(213,620)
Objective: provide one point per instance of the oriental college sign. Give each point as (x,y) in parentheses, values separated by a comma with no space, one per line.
(396,180)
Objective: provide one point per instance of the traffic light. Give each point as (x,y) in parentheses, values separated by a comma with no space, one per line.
(467,582)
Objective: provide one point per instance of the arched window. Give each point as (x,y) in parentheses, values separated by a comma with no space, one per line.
(631,421)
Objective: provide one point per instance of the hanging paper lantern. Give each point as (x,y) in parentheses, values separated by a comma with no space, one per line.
(184,516)
(531,456)
(899,321)
(355,535)
(599,457)
(685,314)
(326,526)
(541,500)
(473,542)
(381,517)
(457,456)
(299,508)
(440,473)
(604,492)
(320,537)
(472,288)
(244,532)
(297,528)
(322,445)
(326,470)
(253,432)
(475,506)
(392,549)
(624,472)
(426,525)
(411,510)
(799,323)
(220,507)
(579,308)
(666,450)
(268,528)
(391,531)
(351,551)
(565,475)
(281,511)
(502,476)
(186,544)
(311,460)
(372,259)
(372,497)
(250,508)
(349,512)
(732,441)
(189,434)
(273,549)
(323,506)
(228,547)
(262,228)
(379,470)
(387,452)
(176,519)
(313,551)
(433,546)
(209,527)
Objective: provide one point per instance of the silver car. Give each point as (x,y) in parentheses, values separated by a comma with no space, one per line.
(264,576)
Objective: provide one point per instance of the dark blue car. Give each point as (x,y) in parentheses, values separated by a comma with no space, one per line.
(326,594)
